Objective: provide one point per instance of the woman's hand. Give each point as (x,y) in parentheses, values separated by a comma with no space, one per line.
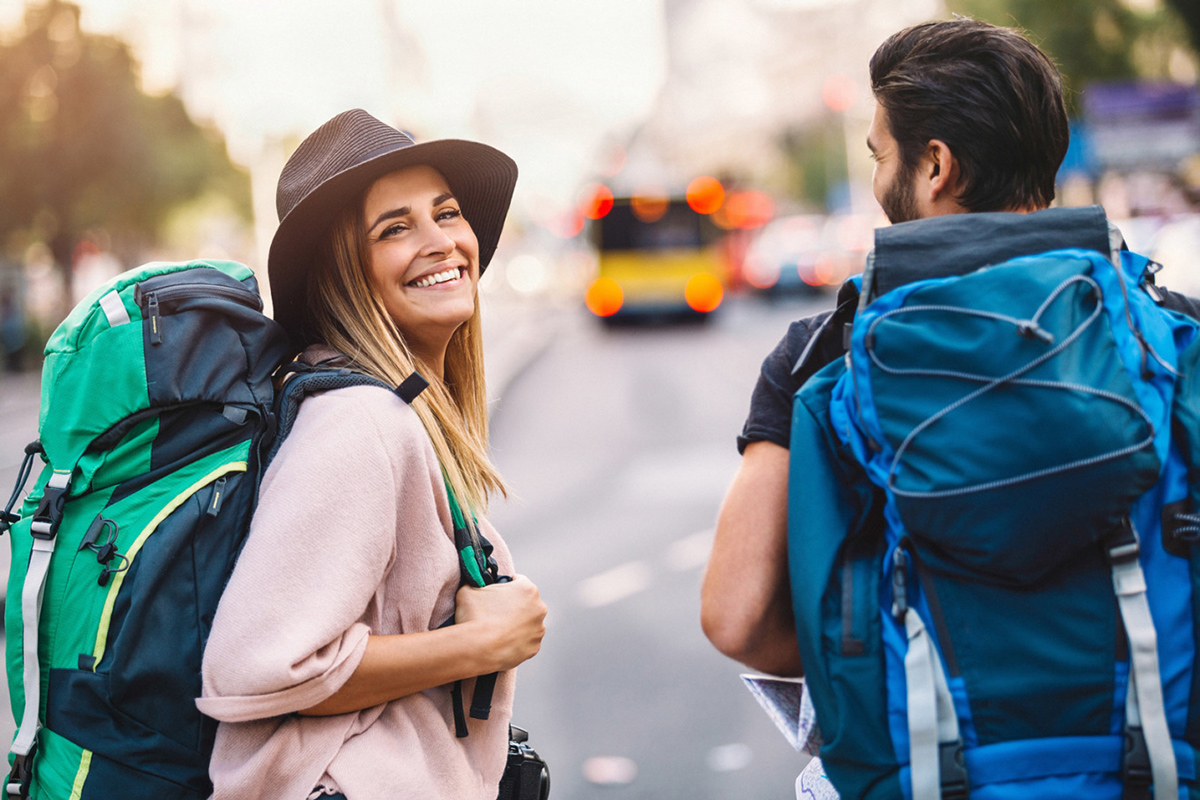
(497,628)
(509,620)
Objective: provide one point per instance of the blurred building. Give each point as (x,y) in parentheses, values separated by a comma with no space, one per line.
(742,72)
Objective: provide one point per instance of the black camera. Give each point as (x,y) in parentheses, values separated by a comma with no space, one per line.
(526,776)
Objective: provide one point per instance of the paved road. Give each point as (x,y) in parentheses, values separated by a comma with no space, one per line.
(18,427)
(619,446)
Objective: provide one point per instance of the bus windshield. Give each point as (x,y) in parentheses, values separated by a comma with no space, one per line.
(679,227)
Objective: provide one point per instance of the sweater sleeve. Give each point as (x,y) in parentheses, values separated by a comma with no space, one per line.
(288,631)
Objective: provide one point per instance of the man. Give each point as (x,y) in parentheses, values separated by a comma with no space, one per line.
(969,118)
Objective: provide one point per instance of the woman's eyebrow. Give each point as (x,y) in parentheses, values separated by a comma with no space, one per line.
(403,211)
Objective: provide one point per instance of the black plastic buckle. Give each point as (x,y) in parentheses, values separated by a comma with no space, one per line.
(899,584)
(20,776)
(1121,543)
(48,515)
(952,764)
(1135,762)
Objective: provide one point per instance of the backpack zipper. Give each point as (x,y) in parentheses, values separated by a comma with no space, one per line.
(150,300)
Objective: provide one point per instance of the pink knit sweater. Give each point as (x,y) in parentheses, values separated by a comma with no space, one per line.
(352,536)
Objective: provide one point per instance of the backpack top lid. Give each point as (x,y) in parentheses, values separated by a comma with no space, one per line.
(99,370)
(957,244)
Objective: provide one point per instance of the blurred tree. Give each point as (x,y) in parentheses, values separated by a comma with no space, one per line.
(1189,12)
(816,159)
(83,148)
(1094,40)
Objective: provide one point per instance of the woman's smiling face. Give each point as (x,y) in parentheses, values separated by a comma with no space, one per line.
(422,258)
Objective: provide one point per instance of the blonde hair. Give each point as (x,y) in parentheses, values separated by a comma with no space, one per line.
(348,315)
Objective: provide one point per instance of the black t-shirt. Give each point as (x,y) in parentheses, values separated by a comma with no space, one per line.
(770,418)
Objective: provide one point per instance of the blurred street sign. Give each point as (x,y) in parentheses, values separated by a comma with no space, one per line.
(1142,125)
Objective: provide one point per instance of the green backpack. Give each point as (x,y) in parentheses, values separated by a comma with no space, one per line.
(156,418)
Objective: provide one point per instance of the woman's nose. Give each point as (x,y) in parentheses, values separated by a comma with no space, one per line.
(435,240)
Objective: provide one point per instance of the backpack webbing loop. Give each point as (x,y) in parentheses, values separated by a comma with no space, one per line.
(410,387)
(7,518)
(1145,715)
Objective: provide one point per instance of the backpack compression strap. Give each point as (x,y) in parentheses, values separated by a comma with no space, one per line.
(1147,735)
(936,764)
(44,530)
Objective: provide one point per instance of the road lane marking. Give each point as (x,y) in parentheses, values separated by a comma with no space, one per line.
(690,552)
(679,475)
(730,757)
(615,584)
(626,580)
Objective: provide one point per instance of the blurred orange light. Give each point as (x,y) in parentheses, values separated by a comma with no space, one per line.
(720,218)
(829,270)
(749,210)
(567,225)
(596,201)
(604,297)
(839,92)
(703,292)
(705,194)
(649,205)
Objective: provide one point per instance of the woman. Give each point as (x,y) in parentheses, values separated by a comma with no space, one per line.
(327,664)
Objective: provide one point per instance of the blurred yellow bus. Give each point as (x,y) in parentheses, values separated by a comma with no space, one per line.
(658,257)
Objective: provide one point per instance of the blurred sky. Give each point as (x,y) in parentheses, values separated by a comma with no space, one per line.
(546,80)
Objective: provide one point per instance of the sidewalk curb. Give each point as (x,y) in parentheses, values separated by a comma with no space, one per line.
(514,343)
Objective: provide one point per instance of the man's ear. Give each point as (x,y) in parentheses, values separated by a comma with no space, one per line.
(940,176)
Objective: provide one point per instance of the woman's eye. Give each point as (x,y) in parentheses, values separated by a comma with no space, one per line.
(392,230)
(449,213)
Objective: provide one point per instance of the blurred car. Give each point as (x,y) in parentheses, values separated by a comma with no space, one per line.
(808,252)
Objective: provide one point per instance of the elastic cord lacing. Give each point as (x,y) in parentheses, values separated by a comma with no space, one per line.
(1029,328)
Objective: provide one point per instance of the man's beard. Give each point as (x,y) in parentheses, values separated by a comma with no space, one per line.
(899,201)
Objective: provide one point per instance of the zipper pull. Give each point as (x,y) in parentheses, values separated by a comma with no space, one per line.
(214,505)
(155,329)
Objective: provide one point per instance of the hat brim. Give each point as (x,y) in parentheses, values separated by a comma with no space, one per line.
(481,178)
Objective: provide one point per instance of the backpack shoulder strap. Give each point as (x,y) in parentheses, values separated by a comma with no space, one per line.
(829,341)
(301,379)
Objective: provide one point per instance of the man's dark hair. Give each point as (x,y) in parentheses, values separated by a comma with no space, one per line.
(991,95)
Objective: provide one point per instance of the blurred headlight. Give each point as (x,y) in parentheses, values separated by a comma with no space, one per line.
(604,297)
(703,292)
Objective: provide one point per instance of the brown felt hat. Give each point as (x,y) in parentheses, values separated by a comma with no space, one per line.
(336,164)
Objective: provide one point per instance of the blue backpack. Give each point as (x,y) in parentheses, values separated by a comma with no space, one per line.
(990,537)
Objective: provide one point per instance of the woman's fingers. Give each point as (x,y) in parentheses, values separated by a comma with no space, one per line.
(510,617)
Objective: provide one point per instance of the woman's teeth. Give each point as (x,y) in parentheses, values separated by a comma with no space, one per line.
(435,278)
